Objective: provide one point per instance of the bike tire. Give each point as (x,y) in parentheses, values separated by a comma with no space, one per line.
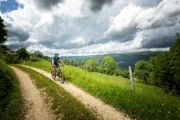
(62,77)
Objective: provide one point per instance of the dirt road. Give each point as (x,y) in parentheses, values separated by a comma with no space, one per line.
(104,111)
(35,107)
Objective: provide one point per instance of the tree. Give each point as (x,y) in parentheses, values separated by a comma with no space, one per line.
(22,54)
(38,54)
(92,65)
(3,32)
(175,66)
(108,65)
(141,70)
(162,70)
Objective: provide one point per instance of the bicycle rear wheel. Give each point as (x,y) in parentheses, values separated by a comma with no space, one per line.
(62,77)
(58,76)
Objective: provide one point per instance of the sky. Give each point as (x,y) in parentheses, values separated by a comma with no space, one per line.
(90,27)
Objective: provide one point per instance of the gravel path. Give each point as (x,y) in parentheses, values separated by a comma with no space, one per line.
(35,107)
(102,110)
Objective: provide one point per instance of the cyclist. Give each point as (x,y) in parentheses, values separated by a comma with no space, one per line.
(54,63)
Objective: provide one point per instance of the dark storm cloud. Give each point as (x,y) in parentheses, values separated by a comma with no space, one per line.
(124,36)
(161,42)
(19,33)
(47,4)
(146,3)
(97,5)
(18,45)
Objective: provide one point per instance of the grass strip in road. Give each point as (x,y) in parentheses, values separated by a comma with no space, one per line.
(62,102)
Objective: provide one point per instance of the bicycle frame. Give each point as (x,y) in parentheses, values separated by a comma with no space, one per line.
(58,72)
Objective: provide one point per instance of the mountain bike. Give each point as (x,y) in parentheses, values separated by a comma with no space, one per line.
(58,72)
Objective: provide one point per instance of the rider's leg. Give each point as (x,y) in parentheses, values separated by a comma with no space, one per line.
(52,72)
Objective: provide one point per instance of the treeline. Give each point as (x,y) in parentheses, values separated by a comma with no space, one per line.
(23,55)
(107,66)
(162,70)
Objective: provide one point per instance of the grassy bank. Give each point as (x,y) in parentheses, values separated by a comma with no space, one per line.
(10,96)
(62,102)
(146,102)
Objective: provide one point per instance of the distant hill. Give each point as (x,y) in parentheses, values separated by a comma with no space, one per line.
(123,59)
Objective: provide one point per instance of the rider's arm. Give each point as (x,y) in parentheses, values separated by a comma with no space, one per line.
(52,62)
(62,62)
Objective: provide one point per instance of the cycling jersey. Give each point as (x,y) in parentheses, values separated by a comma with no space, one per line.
(55,60)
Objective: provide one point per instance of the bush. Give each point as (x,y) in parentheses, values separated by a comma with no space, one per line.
(35,59)
(12,58)
(124,73)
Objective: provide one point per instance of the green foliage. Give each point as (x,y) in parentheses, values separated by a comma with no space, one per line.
(38,54)
(141,70)
(66,61)
(108,65)
(175,67)
(19,56)
(124,73)
(12,58)
(3,32)
(166,69)
(47,58)
(10,100)
(22,54)
(147,102)
(62,102)
(92,65)
(162,70)
(117,72)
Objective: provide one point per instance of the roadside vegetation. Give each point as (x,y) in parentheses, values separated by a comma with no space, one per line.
(10,96)
(146,102)
(63,104)
(162,70)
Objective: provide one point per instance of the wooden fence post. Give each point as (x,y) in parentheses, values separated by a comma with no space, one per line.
(131,78)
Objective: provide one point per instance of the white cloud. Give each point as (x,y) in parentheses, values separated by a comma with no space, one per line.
(124,20)
(72,8)
(147,25)
(72,28)
(78,41)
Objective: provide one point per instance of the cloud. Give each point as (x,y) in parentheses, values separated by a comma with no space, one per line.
(97,5)
(122,26)
(21,34)
(73,27)
(154,27)
(47,4)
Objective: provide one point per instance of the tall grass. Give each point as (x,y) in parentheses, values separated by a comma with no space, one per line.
(10,96)
(63,103)
(146,102)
